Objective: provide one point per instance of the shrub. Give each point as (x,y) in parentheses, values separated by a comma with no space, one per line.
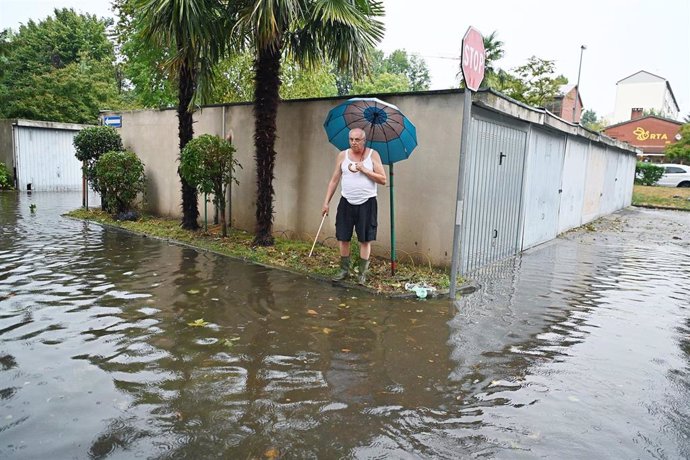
(6,180)
(121,178)
(90,144)
(647,173)
(208,164)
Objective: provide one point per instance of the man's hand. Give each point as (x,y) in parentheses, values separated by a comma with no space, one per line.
(324,210)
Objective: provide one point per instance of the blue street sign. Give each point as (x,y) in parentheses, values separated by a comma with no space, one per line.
(114,121)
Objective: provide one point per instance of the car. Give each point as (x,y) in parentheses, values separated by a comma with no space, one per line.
(675,176)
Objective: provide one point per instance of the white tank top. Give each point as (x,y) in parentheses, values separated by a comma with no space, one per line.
(356,187)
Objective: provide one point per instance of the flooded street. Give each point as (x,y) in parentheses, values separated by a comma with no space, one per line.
(117,346)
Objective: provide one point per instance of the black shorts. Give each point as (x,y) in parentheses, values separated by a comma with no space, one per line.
(363,217)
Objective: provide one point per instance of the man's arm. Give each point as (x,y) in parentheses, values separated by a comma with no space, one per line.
(377,174)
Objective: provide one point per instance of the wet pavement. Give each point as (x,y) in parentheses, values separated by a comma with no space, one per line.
(119,346)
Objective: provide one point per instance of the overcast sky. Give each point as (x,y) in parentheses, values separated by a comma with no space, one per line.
(621,36)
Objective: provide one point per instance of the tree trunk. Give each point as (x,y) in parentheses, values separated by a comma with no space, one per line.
(190,210)
(266,99)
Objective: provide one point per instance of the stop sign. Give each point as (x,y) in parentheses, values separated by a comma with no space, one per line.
(473,58)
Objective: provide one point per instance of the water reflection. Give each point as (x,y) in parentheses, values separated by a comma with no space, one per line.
(114,346)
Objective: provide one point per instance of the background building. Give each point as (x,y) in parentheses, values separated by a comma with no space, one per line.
(562,105)
(643,92)
(41,155)
(651,134)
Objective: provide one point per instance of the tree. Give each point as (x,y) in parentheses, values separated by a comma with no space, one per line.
(310,31)
(6,179)
(143,62)
(382,83)
(90,144)
(193,34)
(412,67)
(680,151)
(59,69)
(590,120)
(120,175)
(208,163)
(534,83)
(652,112)
(6,37)
(396,73)
(297,82)
(589,117)
(493,52)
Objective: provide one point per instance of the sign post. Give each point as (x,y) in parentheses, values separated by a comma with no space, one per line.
(473,60)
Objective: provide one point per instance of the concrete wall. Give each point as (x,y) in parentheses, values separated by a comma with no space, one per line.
(304,164)
(425,184)
(6,152)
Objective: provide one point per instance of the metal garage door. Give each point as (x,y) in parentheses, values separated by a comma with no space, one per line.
(45,159)
(543,187)
(492,182)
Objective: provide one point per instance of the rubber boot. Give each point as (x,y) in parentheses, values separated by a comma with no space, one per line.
(344,269)
(363,269)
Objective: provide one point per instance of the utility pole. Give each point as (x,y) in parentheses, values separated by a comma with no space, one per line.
(577,87)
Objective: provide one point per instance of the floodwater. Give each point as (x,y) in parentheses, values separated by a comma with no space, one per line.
(117,346)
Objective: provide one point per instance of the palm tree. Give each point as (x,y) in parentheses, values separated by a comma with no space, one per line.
(310,31)
(192,32)
(493,51)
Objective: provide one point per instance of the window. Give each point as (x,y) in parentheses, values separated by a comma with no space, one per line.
(674,170)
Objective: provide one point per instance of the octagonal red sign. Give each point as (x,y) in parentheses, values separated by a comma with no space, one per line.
(473,57)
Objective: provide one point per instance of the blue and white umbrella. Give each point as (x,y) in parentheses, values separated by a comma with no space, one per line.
(388,131)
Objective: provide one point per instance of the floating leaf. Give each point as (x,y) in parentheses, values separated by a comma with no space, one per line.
(345,350)
(342,305)
(312,312)
(193,291)
(272,453)
(285,317)
(327,330)
(198,323)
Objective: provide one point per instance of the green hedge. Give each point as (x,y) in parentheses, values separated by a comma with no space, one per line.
(6,181)
(121,178)
(647,173)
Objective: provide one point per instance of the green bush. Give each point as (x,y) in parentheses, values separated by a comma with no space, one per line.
(90,144)
(121,178)
(6,181)
(647,173)
(208,164)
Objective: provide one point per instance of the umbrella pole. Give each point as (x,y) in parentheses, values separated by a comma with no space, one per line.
(394,263)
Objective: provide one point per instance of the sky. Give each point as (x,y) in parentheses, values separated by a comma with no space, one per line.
(621,37)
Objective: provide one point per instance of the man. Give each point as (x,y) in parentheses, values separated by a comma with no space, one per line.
(360,169)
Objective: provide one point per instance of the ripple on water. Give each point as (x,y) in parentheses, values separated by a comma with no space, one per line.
(592,339)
